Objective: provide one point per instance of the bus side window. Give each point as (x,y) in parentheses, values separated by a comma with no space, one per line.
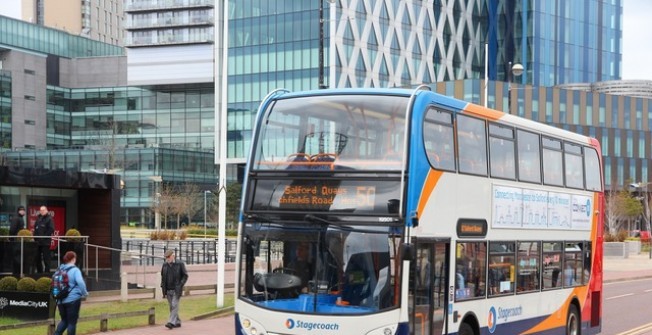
(592,170)
(472,145)
(438,139)
(470,270)
(528,274)
(551,265)
(529,157)
(553,165)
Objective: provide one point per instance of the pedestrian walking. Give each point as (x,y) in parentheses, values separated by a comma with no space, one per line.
(173,277)
(44,226)
(70,305)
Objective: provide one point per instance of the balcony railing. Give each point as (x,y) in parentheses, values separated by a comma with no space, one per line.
(183,21)
(149,5)
(168,40)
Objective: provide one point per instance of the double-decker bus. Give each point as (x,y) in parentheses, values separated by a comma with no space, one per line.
(394,211)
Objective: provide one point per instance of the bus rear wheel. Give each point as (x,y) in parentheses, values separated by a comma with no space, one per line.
(465,329)
(573,321)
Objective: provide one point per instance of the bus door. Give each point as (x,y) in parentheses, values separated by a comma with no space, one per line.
(429,282)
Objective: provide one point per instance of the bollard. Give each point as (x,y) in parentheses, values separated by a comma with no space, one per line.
(123,287)
(158,294)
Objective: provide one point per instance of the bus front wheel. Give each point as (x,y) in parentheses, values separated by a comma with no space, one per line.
(573,321)
(466,329)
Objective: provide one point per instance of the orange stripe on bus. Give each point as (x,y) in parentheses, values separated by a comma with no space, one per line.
(486,113)
(558,318)
(428,187)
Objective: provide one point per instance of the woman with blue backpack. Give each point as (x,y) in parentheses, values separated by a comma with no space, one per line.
(68,288)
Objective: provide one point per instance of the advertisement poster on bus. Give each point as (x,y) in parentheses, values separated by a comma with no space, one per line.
(58,214)
(515,208)
(535,209)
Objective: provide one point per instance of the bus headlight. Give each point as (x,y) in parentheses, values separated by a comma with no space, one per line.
(246,323)
(253,331)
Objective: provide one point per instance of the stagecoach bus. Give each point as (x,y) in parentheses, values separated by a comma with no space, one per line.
(394,211)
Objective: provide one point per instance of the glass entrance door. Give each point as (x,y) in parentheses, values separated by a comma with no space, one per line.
(429,288)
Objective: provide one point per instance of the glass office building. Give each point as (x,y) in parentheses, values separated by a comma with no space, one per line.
(557,42)
(394,43)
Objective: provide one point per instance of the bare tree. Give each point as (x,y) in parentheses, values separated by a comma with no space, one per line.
(166,204)
(233,198)
(187,203)
(613,213)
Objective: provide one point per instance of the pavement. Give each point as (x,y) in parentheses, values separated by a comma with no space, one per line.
(614,269)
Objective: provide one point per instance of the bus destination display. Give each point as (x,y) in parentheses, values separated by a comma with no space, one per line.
(351,196)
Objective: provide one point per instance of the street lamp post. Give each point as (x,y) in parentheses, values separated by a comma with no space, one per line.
(515,70)
(205,192)
(321,43)
(645,198)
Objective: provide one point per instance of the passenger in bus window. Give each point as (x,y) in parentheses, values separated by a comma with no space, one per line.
(424,271)
(569,273)
(301,265)
(459,277)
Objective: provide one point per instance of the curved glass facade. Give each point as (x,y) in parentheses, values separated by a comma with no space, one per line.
(180,116)
(29,36)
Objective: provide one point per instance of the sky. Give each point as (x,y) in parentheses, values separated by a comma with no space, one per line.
(637,39)
(637,36)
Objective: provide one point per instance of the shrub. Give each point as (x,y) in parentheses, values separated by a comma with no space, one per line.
(4,232)
(167,235)
(26,284)
(73,232)
(25,235)
(43,285)
(8,283)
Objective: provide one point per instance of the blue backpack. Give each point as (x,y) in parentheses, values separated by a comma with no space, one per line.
(60,287)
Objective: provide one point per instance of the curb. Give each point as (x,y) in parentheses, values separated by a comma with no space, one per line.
(218,313)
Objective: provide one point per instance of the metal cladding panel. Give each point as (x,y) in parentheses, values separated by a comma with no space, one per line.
(170,65)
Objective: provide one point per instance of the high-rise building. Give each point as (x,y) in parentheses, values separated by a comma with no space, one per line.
(163,116)
(170,41)
(101,20)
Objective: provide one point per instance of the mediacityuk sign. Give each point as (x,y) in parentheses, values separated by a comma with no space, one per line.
(26,305)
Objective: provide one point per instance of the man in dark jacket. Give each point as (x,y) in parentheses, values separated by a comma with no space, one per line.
(17,223)
(43,227)
(173,277)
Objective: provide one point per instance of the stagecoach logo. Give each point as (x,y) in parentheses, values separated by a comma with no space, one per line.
(289,323)
(503,314)
(309,326)
(492,320)
(3,302)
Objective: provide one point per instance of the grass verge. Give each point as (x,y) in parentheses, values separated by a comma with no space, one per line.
(189,308)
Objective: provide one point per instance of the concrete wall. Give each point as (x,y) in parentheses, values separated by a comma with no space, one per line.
(616,249)
(28,84)
(93,72)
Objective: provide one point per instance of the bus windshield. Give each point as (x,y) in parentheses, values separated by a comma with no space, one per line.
(319,268)
(353,132)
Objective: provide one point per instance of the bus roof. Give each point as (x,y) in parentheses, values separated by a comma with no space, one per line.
(457,106)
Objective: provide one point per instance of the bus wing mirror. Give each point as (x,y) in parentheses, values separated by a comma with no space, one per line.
(407,252)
